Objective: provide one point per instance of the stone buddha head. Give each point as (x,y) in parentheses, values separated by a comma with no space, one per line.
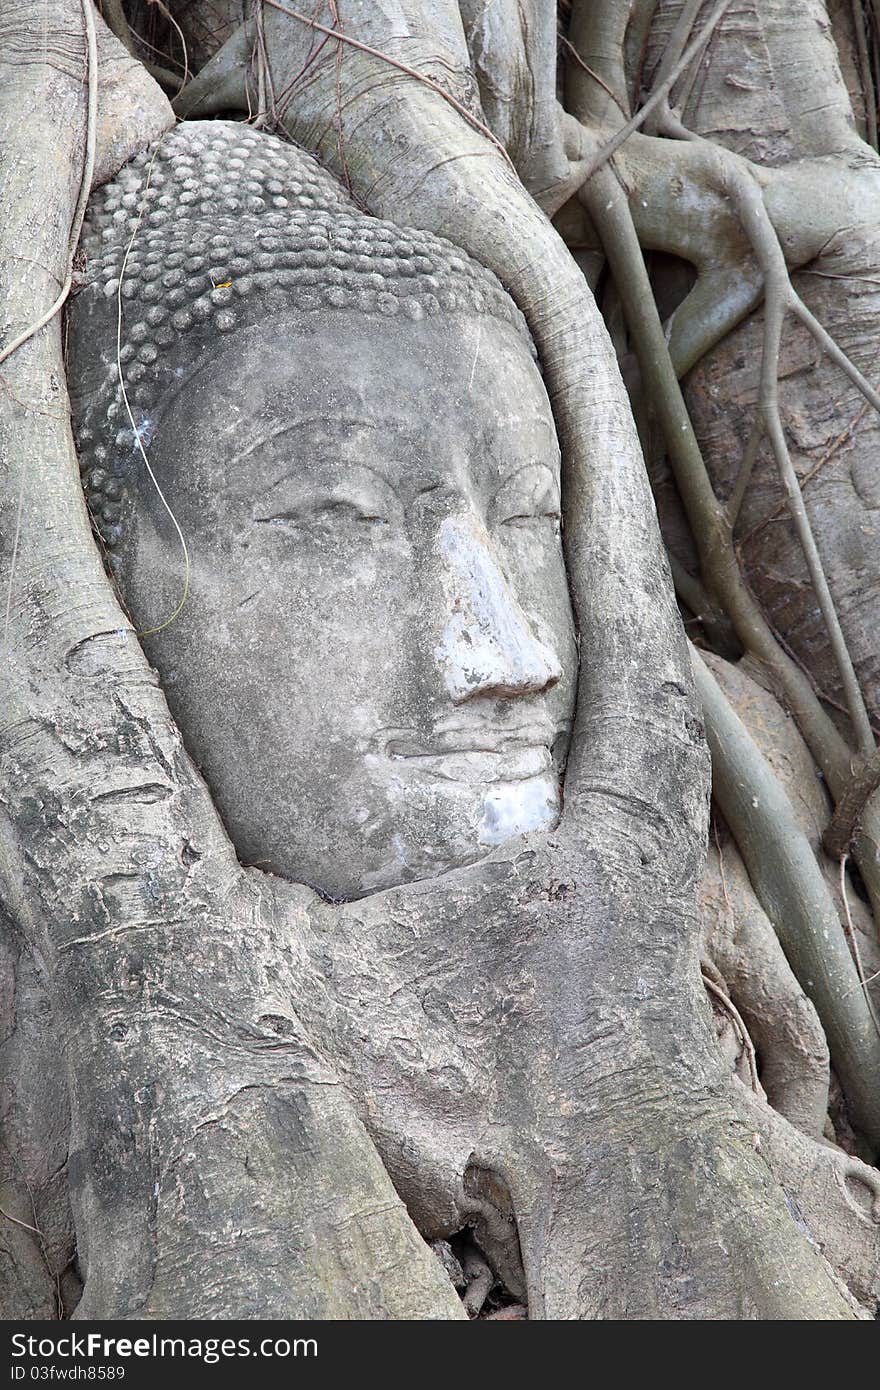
(374,668)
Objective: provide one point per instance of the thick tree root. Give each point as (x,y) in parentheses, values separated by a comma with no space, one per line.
(831,1197)
(781,1020)
(795,896)
(36,1227)
(540,1010)
(744,208)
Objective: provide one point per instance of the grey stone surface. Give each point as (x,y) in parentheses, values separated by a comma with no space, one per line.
(375,664)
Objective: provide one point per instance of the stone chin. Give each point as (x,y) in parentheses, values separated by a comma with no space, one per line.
(516,808)
(468,821)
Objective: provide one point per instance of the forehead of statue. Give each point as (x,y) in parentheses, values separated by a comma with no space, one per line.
(417,400)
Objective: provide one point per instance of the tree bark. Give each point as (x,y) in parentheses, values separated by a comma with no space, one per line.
(274,1100)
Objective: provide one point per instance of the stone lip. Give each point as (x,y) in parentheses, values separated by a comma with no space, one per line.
(478,752)
(482,765)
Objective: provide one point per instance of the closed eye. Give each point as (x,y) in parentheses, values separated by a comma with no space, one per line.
(530,498)
(553,519)
(333,509)
(347,496)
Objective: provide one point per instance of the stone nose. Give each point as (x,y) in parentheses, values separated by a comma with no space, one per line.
(487,647)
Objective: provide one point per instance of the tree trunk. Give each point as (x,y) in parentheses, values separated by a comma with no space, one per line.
(270,1102)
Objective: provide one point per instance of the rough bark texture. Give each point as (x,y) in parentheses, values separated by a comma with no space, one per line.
(203,1092)
(757,95)
(273,1099)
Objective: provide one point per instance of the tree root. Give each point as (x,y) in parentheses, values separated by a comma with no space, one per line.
(513,1312)
(479,1279)
(221,85)
(781,1020)
(857,959)
(494,1220)
(709,521)
(793,893)
(728,177)
(660,93)
(114,17)
(826,1191)
(779,298)
(715,985)
(849,809)
(85,188)
(778,739)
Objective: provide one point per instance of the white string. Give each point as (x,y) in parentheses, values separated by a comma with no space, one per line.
(150,631)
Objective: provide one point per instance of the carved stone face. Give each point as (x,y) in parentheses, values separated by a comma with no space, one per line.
(375,667)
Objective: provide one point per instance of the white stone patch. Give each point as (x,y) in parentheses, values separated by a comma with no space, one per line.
(487,643)
(515,808)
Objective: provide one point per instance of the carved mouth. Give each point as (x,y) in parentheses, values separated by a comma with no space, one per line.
(477,754)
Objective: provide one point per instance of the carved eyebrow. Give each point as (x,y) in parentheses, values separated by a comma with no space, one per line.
(279,491)
(513,424)
(336,424)
(550,480)
(269,437)
(328,421)
(404,456)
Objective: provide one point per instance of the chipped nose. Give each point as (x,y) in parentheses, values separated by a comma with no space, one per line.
(487,647)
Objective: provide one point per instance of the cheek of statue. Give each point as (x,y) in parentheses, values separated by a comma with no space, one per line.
(468,760)
(402,712)
(375,669)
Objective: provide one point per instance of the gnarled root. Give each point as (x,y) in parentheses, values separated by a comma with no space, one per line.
(782,1022)
(832,1198)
